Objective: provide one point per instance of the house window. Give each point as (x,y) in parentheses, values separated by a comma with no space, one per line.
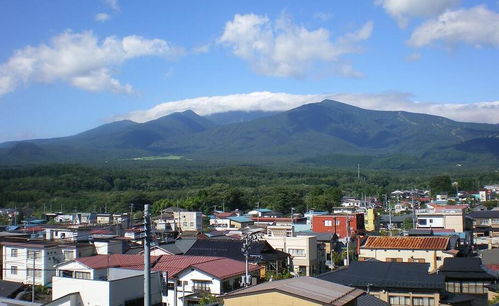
(33,254)
(201,285)
(328,223)
(82,275)
(388,259)
(29,272)
(184,224)
(13,270)
(422,221)
(192,224)
(13,252)
(423,301)
(68,255)
(296,252)
(399,300)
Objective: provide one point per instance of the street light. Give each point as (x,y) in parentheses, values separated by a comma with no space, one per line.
(248,240)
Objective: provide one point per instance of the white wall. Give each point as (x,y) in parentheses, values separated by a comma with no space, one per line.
(107,293)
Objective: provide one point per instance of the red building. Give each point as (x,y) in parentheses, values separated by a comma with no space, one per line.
(341,224)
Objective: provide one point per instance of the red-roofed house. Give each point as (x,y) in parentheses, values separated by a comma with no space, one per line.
(187,276)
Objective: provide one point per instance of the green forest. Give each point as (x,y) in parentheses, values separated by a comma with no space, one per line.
(112,188)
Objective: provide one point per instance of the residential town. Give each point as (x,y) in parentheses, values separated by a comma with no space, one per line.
(407,249)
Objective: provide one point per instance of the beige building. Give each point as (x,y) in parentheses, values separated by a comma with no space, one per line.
(300,291)
(303,249)
(446,216)
(432,250)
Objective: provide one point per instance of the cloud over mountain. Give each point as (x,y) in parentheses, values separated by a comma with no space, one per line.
(485,112)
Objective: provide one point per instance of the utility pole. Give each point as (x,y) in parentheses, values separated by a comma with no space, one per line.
(147,257)
(358,171)
(348,240)
(413,209)
(131,214)
(33,284)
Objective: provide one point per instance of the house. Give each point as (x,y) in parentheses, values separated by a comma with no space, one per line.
(260,252)
(465,276)
(104,218)
(344,225)
(387,222)
(30,261)
(239,222)
(431,250)
(72,233)
(296,291)
(265,212)
(230,221)
(485,223)
(117,287)
(71,251)
(186,277)
(302,249)
(187,221)
(443,216)
(394,282)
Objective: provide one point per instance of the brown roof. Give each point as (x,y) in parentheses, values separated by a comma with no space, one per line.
(410,243)
(305,287)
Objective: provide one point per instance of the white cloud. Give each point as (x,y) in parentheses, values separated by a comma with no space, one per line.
(403,10)
(79,59)
(113,4)
(284,49)
(201,49)
(269,101)
(413,57)
(102,17)
(476,26)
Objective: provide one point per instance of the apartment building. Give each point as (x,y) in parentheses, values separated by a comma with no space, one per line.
(31,261)
(303,249)
(344,225)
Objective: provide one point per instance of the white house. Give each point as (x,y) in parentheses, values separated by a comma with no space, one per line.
(119,287)
(30,261)
(187,277)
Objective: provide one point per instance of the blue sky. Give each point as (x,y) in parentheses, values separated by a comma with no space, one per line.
(68,66)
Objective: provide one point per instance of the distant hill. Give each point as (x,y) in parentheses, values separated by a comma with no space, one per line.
(325,133)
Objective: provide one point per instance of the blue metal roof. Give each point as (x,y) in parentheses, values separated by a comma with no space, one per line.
(239,219)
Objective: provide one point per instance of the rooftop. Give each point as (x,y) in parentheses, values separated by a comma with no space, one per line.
(173,264)
(309,288)
(485,214)
(386,275)
(410,243)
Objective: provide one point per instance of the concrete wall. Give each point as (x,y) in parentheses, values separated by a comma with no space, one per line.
(107,293)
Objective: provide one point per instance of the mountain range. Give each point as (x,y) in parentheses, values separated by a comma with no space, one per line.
(324,133)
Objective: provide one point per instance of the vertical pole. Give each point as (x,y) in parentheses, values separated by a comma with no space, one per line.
(348,240)
(33,285)
(147,257)
(183,293)
(131,215)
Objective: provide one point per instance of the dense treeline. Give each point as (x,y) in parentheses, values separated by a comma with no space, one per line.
(69,188)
